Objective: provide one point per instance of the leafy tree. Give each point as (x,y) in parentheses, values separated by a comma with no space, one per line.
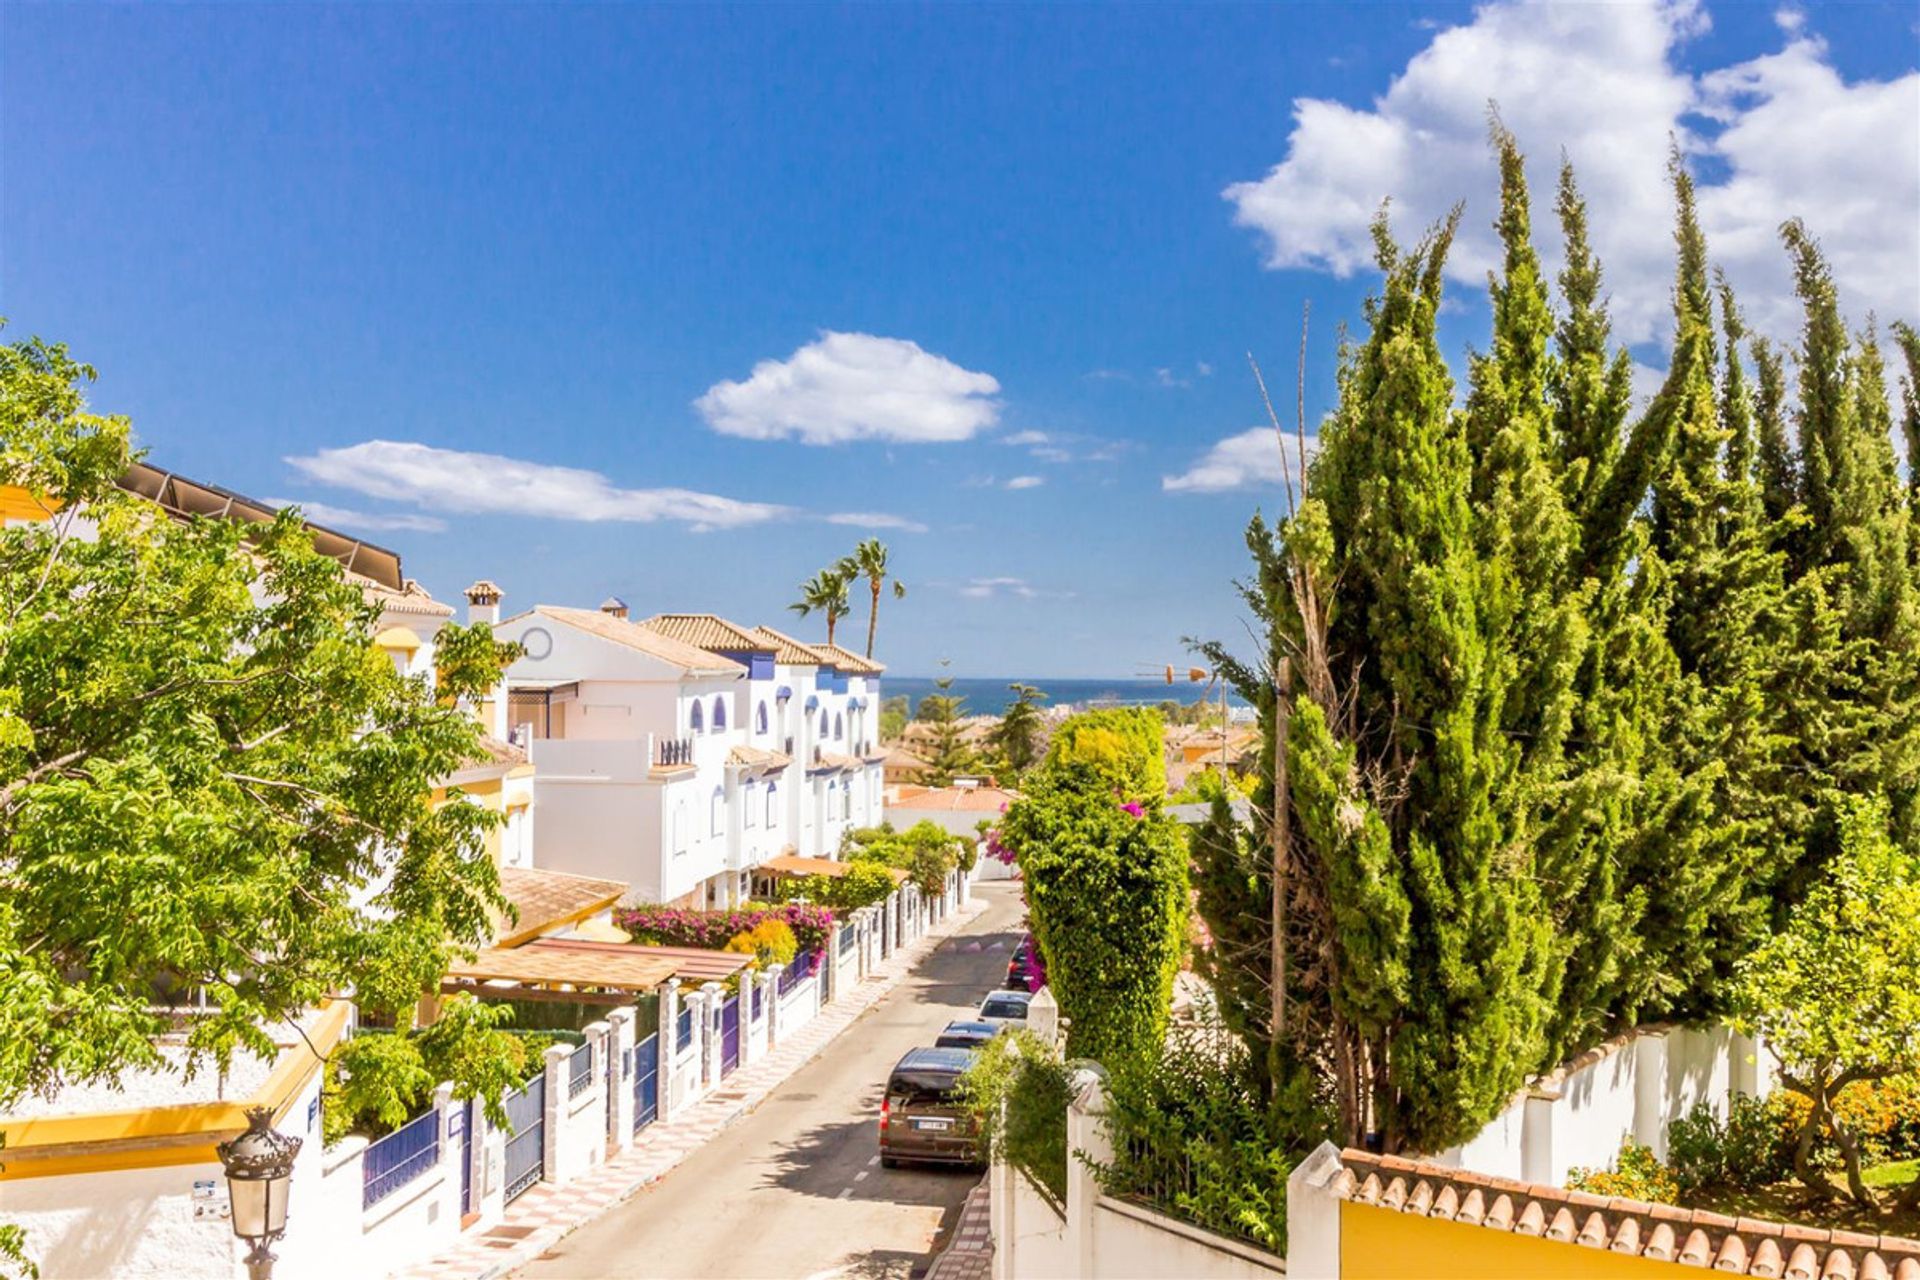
(1107,898)
(926,851)
(825,593)
(1836,993)
(869,561)
(210,780)
(864,885)
(378,1081)
(470,658)
(948,752)
(1124,742)
(1021,733)
(894,714)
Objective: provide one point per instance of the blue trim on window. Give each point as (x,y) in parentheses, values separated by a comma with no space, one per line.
(719,713)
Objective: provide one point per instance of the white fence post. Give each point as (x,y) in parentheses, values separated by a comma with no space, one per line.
(1313,1217)
(447,1114)
(696,1001)
(664,1046)
(716,996)
(770,996)
(599,1036)
(1088,1144)
(619,1081)
(554,1113)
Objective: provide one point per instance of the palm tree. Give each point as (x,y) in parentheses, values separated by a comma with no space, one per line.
(825,592)
(869,561)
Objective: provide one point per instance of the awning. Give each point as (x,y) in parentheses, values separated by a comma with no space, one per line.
(783,692)
(788,864)
(692,965)
(401,638)
(623,969)
(813,701)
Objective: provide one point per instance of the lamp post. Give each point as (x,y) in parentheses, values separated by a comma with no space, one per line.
(259,1166)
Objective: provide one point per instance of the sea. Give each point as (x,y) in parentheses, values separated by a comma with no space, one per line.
(991,696)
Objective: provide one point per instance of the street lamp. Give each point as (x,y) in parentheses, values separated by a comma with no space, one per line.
(259,1166)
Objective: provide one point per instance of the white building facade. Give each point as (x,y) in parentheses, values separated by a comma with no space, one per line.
(680,753)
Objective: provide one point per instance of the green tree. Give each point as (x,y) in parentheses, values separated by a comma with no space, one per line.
(948,752)
(1836,993)
(825,593)
(1106,885)
(1021,732)
(1124,742)
(210,780)
(927,852)
(869,561)
(894,714)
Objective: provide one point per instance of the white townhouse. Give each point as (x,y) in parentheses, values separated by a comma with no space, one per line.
(680,753)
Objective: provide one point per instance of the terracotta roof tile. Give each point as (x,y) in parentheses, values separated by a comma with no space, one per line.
(848,660)
(1659,1232)
(786,649)
(708,631)
(689,658)
(551,899)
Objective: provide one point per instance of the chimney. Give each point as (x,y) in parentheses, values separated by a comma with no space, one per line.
(614,607)
(483,606)
(483,602)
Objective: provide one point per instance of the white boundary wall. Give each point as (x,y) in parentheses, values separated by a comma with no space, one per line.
(1632,1086)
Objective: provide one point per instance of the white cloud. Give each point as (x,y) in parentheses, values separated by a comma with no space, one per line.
(1000,588)
(1027,438)
(1026,482)
(1789,136)
(876,520)
(1249,460)
(345,519)
(854,386)
(1645,381)
(456,481)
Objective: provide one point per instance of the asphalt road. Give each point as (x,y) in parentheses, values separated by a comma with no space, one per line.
(795,1190)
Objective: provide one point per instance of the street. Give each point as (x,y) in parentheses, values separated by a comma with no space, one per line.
(796,1190)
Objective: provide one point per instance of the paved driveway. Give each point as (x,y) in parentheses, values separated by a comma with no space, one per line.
(796,1190)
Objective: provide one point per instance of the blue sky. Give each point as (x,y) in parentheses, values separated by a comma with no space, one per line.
(724,284)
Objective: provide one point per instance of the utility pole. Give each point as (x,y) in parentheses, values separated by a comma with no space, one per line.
(1282,714)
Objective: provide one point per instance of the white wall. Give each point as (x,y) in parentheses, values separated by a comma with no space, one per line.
(1131,1241)
(128,1222)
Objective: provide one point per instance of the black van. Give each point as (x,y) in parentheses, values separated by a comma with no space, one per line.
(920,1118)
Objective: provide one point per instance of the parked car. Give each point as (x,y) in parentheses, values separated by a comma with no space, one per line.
(1017,964)
(920,1118)
(965,1034)
(1002,1008)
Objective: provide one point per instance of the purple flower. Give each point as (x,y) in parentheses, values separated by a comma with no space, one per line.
(1134,807)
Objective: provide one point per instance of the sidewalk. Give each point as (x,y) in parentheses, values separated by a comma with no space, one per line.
(969,1255)
(540,1218)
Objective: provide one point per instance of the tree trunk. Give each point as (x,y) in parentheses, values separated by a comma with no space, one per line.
(1850,1152)
(1809,1176)
(873,616)
(832,619)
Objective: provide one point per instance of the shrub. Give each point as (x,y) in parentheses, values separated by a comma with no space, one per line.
(926,851)
(379,1080)
(1021,1071)
(1748,1149)
(1637,1174)
(812,925)
(769,942)
(864,885)
(1127,744)
(1107,901)
(1191,1137)
(1883,1114)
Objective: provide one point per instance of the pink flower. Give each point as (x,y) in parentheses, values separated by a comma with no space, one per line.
(1134,807)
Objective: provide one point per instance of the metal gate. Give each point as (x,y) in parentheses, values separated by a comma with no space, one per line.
(526,1136)
(729,1036)
(646,1081)
(463,1121)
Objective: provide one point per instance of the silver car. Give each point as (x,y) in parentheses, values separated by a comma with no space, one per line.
(1005,1008)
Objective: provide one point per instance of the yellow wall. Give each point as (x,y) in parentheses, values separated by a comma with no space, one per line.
(17,504)
(1383,1244)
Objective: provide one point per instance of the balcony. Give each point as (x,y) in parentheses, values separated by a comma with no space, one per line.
(673,753)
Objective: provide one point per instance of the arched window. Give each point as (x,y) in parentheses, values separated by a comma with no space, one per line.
(773,790)
(696,718)
(719,714)
(718,807)
(746,806)
(760,719)
(823,722)
(846,800)
(839,728)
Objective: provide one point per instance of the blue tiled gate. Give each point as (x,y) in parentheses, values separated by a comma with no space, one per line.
(646,1082)
(729,1036)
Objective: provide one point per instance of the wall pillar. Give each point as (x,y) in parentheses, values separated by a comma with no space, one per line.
(1536,1138)
(770,999)
(451,1119)
(1088,1144)
(1650,1091)
(620,1070)
(489,1153)
(663,1044)
(716,995)
(553,1131)
(1313,1217)
(697,1001)
(606,1067)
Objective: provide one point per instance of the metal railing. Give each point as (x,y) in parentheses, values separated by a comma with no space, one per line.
(683,1033)
(847,938)
(579,1071)
(794,974)
(646,1081)
(397,1159)
(673,751)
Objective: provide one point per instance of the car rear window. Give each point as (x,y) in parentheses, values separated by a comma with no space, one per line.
(921,1088)
(1004,1009)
